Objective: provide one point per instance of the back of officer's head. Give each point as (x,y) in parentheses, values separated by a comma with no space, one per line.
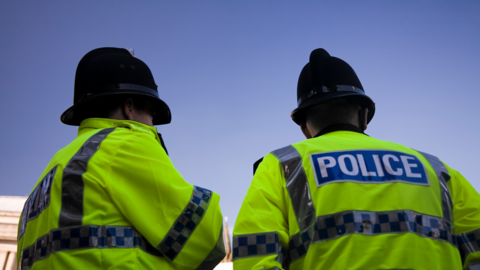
(337,111)
(109,106)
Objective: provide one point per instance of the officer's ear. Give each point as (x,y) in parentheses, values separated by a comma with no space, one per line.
(306,132)
(128,109)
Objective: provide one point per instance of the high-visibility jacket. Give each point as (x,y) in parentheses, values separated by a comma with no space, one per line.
(345,200)
(112,199)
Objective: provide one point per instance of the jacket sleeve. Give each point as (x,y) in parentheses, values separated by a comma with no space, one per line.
(183,222)
(466,215)
(261,229)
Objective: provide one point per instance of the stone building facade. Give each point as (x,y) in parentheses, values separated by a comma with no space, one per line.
(10,210)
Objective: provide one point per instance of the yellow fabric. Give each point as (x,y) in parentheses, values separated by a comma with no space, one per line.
(267,207)
(130,181)
(466,204)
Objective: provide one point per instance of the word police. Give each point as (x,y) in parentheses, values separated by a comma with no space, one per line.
(367,166)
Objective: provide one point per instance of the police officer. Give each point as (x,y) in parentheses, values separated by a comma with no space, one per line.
(112,198)
(344,200)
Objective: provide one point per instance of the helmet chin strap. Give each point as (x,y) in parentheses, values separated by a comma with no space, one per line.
(361,119)
(162,143)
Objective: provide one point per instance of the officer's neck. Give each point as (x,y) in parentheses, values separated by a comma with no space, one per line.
(338,127)
(129,112)
(357,124)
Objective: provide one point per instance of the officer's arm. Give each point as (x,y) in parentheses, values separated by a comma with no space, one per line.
(261,229)
(466,214)
(181,221)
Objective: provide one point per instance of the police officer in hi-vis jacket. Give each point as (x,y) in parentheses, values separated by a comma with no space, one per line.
(343,200)
(112,198)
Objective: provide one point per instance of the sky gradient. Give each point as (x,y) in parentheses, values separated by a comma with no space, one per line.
(229,70)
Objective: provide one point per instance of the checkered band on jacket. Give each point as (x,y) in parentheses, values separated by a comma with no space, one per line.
(186,223)
(82,237)
(469,242)
(255,245)
(371,223)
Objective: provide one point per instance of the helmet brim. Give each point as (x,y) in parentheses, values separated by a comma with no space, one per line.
(73,116)
(299,114)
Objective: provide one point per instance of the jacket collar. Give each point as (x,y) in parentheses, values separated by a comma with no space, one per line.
(101,123)
(339,127)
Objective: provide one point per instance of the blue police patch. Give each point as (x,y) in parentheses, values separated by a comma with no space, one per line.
(38,200)
(368,166)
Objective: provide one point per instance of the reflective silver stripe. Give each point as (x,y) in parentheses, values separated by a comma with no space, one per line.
(84,237)
(465,246)
(215,256)
(186,223)
(473,266)
(443,178)
(299,192)
(468,243)
(257,244)
(297,185)
(71,213)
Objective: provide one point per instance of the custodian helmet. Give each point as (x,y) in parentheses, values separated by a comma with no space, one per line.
(105,72)
(327,78)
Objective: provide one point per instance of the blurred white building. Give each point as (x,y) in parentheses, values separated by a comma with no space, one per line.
(10,209)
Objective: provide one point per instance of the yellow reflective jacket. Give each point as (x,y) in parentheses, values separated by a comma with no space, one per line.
(112,199)
(345,200)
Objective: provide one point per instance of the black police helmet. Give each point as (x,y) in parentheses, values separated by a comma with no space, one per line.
(105,72)
(327,78)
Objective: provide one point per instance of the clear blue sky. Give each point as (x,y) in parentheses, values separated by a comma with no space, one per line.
(229,70)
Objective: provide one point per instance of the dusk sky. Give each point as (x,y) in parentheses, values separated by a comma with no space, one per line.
(229,70)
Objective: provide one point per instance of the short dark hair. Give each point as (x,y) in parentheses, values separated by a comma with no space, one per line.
(107,106)
(342,110)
